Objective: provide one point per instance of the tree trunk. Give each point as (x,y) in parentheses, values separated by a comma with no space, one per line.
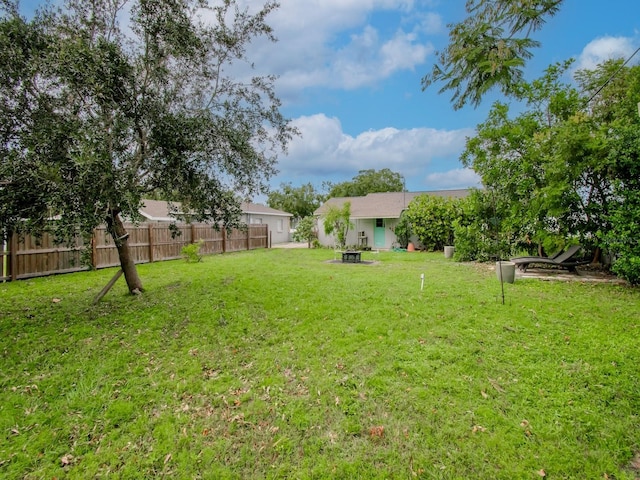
(120,237)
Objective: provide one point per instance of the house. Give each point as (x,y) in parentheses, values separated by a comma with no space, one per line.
(252,214)
(375,216)
(279,222)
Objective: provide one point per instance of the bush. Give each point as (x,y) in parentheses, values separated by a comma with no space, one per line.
(191,252)
(467,243)
(628,268)
(337,222)
(306,231)
(403,230)
(623,239)
(432,220)
(472,243)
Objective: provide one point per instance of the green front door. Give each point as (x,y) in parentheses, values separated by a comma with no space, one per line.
(379,234)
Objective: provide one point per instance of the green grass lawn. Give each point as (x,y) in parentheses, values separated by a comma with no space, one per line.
(276,364)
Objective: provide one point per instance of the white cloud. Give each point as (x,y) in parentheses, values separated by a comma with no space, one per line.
(458,178)
(604,48)
(431,23)
(329,43)
(367,59)
(325,152)
(403,52)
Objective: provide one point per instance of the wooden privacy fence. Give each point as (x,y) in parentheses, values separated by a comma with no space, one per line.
(25,256)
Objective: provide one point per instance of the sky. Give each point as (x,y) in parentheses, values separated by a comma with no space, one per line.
(349,77)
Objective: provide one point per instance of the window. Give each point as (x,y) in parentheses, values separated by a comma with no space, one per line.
(256,221)
(379,222)
(280,225)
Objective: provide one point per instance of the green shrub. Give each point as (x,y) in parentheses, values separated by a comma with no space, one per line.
(628,267)
(623,239)
(467,242)
(337,222)
(474,243)
(191,252)
(306,231)
(432,220)
(403,230)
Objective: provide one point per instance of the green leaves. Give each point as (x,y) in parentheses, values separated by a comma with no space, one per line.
(337,221)
(403,230)
(485,51)
(300,201)
(432,220)
(558,171)
(93,119)
(305,230)
(368,181)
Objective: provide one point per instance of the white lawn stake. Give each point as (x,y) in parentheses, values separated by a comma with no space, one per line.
(421,281)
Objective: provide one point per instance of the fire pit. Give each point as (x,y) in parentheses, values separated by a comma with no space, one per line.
(351,257)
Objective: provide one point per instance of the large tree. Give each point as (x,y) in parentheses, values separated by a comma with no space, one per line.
(96,115)
(300,201)
(565,168)
(367,181)
(489,48)
(517,158)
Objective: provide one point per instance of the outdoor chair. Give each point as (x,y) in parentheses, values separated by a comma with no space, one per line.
(561,260)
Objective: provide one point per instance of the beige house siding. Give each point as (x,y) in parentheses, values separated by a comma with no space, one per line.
(386,207)
(279,222)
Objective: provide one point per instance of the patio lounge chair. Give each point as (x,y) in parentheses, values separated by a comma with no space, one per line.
(562,260)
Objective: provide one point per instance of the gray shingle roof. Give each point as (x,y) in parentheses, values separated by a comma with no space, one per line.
(158,210)
(385,205)
(256,208)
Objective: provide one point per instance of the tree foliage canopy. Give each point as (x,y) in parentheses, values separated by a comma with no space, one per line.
(368,181)
(489,48)
(432,218)
(95,116)
(306,231)
(566,170)
(337,221)
(300,201)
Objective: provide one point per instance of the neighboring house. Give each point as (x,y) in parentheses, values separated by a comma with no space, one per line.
(375,216)
(279,222)
(158,211)
(252,214)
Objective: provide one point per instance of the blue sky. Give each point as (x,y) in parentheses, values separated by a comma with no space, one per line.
(349,78)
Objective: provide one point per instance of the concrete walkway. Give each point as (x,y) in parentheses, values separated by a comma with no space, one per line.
(290,245)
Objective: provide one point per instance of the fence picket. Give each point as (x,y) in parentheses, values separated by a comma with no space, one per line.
(28,256)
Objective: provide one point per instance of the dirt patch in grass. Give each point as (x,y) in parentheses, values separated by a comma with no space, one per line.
(362,262)
(581,275)
(588,273)
(634,465)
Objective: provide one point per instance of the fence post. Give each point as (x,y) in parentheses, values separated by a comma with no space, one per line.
(224,239)
(248,237)
(150,226)
(193,233)
(3,257)
(94,250)
(13,258)
(4,267)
